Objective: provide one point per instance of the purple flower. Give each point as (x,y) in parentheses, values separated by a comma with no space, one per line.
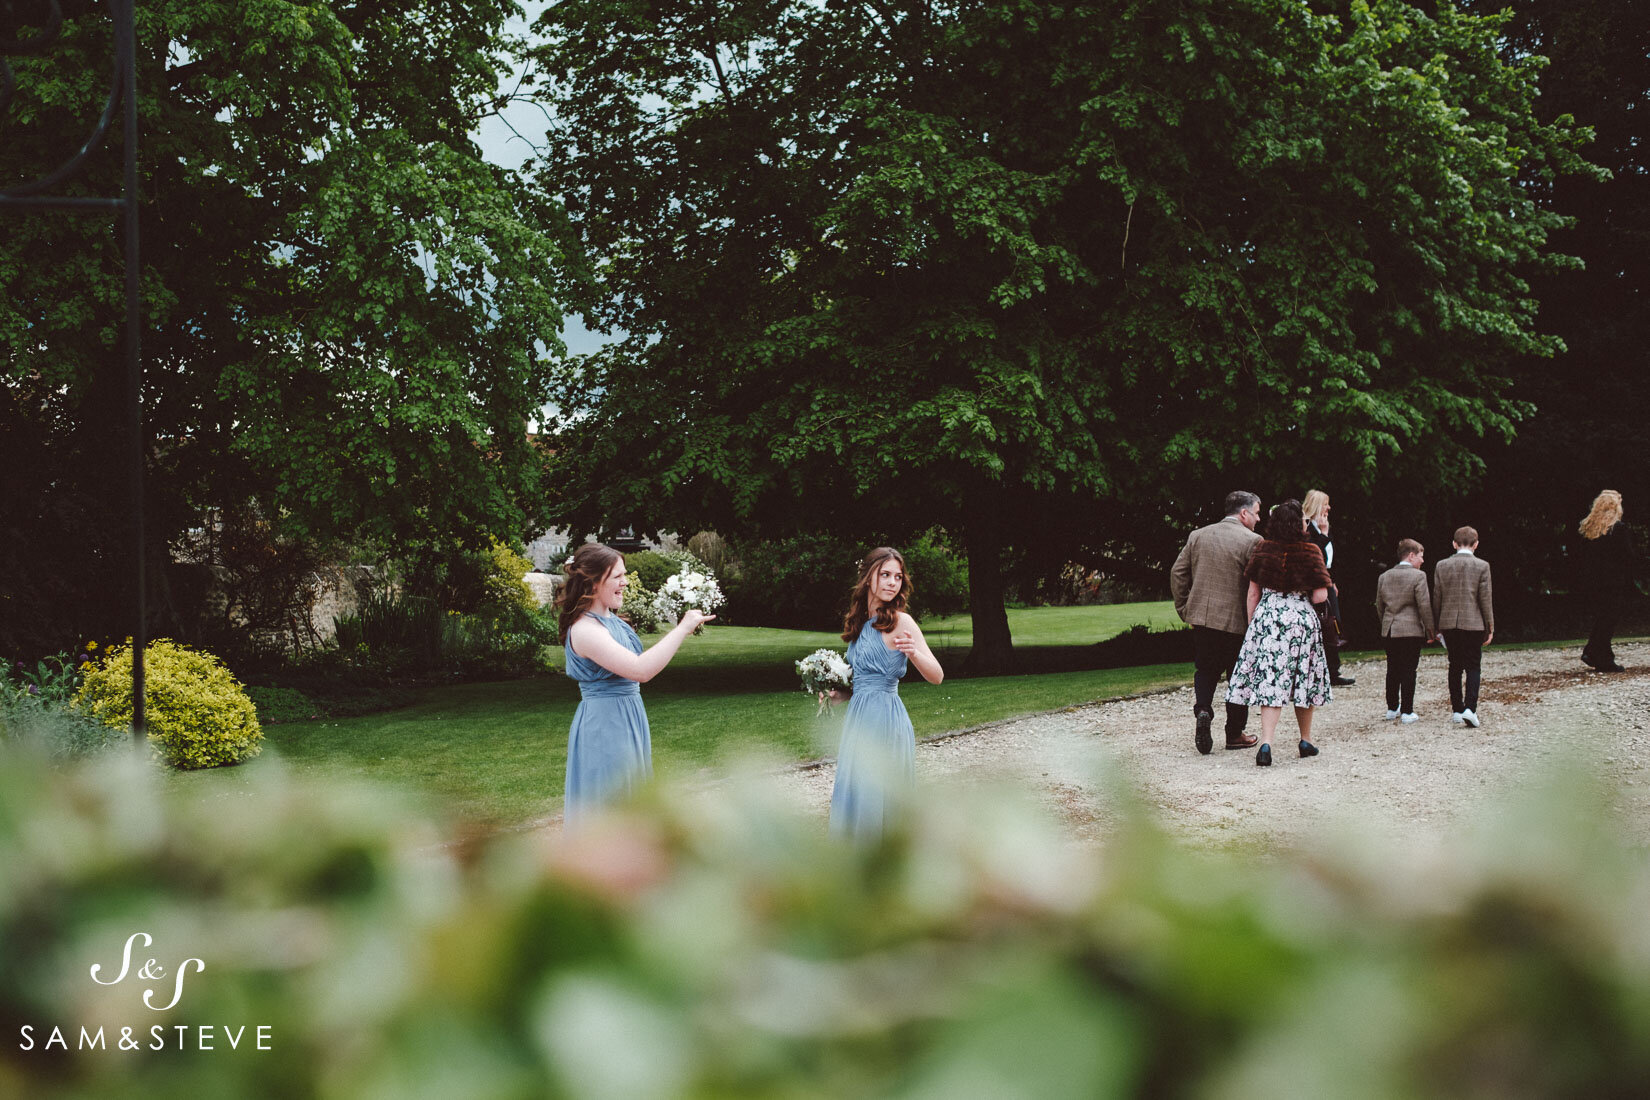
(33,690)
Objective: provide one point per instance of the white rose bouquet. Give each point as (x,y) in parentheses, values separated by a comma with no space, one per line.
(822,670)
(689,588)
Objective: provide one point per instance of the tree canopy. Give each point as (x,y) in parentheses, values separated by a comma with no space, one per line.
(1041,268)
(1593,427)
(349,316)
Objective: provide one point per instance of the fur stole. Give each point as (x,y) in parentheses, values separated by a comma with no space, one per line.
(1287,566)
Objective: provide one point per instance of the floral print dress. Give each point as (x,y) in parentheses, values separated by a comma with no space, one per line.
(1282,662)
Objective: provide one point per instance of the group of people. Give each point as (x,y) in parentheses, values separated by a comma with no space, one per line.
(610,752)
(1258,594)
(1257,602)
(1265,611)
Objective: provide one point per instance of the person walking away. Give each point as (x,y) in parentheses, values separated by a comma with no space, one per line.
(1404,607)
(1607,576)
(1281,662)
(1208,587)
(1316,507)
(1465,615)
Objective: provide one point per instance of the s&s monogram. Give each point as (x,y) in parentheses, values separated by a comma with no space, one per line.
(150,971)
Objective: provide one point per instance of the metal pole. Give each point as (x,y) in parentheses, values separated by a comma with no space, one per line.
(123,85)
(125,12)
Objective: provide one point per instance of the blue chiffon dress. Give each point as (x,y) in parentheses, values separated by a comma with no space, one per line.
(876,764)
(609,751)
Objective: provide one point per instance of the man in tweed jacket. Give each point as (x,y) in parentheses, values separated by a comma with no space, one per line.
(1209,594)
(1466,619)
(1405,610)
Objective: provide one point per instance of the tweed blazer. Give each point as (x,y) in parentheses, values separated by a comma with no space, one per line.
(1461,593)
(1403,603)
(1207,578)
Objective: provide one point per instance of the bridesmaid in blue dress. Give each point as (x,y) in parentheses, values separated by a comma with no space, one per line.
(609,751)
(876,763)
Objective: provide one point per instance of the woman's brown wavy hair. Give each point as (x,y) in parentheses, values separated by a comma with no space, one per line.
(585,570)
(859,603)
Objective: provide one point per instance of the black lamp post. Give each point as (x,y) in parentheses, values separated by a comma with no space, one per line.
(36,195)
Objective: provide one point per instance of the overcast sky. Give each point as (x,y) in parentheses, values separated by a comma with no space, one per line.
(502,146)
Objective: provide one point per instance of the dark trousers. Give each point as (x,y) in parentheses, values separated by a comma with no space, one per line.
(1331,636)
(1215,652)
(1466,654)
(1606,614)
(1403,658)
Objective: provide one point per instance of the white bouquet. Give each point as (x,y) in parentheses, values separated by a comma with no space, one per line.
(689,588)
(822,670)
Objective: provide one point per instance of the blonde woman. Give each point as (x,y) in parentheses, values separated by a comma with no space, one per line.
(1607,575)
(1315,507)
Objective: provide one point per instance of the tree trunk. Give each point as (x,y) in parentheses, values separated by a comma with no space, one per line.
(993,651)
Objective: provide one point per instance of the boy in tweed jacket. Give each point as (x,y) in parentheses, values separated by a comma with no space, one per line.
(1405,610)
(1466,619)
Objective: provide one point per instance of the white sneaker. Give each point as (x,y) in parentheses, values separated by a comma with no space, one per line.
(1406,719)
(1456,718)
(1469,718)
(1390,715)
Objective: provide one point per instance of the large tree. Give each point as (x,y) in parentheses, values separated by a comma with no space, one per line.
(1592,426)
(1025,267)
(348,315)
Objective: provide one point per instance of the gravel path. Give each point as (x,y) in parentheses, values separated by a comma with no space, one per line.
(1541,709)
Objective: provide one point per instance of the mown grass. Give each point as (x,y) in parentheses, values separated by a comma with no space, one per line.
(497,752)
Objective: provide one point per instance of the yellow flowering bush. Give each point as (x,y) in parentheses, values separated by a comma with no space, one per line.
(196,713)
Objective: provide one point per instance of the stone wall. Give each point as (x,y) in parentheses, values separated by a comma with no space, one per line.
(550,550)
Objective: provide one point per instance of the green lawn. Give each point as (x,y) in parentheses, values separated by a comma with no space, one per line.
(496,752)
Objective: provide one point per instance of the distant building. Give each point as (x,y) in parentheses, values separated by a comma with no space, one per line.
(550,550)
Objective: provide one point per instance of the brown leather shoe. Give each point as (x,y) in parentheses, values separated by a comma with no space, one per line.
(1244,741)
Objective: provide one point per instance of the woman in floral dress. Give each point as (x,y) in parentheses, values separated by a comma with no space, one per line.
(1282,661)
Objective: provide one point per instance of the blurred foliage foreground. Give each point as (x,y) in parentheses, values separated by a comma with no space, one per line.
(720,945)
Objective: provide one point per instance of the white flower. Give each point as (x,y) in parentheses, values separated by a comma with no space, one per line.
(824,669)
(688,588)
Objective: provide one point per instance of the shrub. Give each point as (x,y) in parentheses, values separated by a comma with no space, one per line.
(939,575)
(712,549)
(396,634)
(37,707)
(800,582)
(804,582)
(637,609)
(196,713)
(683,559)
(394,630)
(503,581)
(51,681)
(650,568)
(58,732)
(977,952)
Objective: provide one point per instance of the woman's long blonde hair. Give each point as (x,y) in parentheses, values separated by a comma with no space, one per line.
(1605,514)
(1313,504)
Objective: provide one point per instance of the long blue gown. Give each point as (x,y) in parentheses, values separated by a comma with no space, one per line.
(876,763)
(610,750)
